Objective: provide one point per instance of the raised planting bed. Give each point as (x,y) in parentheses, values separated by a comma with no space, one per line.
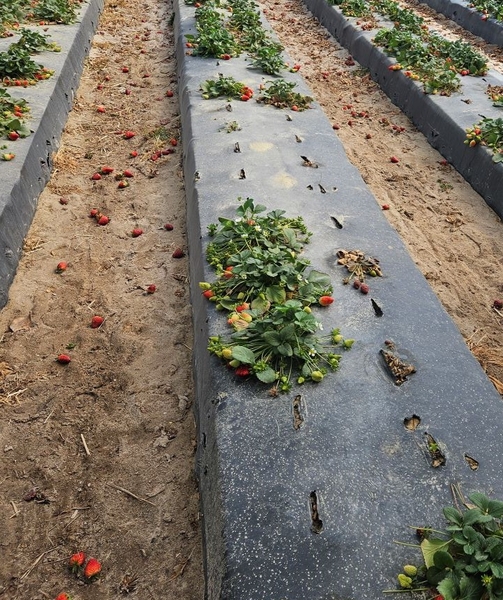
(27,163)
(304,488)
(480,23)
(442,119)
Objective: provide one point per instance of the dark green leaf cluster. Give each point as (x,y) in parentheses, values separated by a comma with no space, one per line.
(16,63)
(34,42)
(56,11)
(265,285)
(469,564)
(282,94)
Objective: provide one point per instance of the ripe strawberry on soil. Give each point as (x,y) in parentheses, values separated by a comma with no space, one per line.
(92,568)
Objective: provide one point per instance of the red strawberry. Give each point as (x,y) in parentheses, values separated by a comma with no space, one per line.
(335,126)
(364,288)
(92,568)
(156,156)
(178,253)
(151,289)
(498,303)
(61,266)
(208,294)
(96,322)
(106,170)
(77,560)
(128,135)
(133,154)
(123,184)
(245,98)
(168,227)
(63,359)
(125,69)
(385,206)
(242,371)
(225,56)
(63,201)
(96,177)
(242,307)
(356,284)
(295,108)
(13,135)
(128,173)
(325,300)
(63,596)
(103,220)
(394,159)
(100,109)
(93,213)
(169,94)
(173,142)
(227,273)
(168,151)
(137,232)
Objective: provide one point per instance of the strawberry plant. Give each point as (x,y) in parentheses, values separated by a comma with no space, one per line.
(268,58)
(465,561)
(227,87)
(489,9)
(56,11)
(488,132)
(280,93)
(34,42)
(264,285)
(12,114)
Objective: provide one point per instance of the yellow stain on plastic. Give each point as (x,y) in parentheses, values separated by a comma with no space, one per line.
(283,180)
(261,146)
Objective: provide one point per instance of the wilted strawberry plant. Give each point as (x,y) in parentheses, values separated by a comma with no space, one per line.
(466,561)
(266,288)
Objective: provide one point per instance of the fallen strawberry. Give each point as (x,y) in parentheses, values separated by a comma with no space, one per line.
(76,561)
(100,109)
(394,159)
(123,184)
(103,220)
(106,170)
(498,304)
(96,176)
(168,151)
(61,266)
(128,135)
(168,227)
(325,300)
(156,156)
(173,142)
(93,213)
(364,288)
(97,321)
(63,359)
(385,206)
(133,154)
(92,569)
(295,108)
(128,173)
(242,371)
(356,284)
(137,232)
(178,253)
(169,94)
(13,136)
(335,126)
(63,596)
(151,289)
(63,201)
(125,69)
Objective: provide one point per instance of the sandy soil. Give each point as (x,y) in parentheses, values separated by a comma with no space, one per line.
(119,415)
(97,455)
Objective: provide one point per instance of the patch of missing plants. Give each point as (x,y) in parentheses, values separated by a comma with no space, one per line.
(298,418)
(316,522)
(436,455)
(412,423)
(396,366)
